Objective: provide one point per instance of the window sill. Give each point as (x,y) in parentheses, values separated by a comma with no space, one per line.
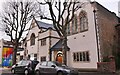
(81,61)
(84,30)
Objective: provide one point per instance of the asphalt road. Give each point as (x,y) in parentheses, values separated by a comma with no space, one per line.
(7,72)
(79,74)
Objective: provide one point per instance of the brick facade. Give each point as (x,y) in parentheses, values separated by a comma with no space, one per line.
(106,22)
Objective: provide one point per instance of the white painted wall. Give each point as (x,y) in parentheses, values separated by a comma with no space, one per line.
(84,41)
(78,43)
(34,48)
(44,34)
(21,53)
(54,33)
(54,41)
(44,51)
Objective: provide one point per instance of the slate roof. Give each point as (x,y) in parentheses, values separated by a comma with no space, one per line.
(44,25)
(58,46)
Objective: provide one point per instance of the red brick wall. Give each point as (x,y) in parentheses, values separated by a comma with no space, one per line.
(106,66)
(106,21)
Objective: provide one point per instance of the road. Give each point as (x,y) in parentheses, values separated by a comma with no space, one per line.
(79,74)
(7,72)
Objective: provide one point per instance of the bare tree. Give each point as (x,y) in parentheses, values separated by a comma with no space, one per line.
(65,13)
(15,18)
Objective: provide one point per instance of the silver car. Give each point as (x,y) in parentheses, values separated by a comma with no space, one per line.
(54,68)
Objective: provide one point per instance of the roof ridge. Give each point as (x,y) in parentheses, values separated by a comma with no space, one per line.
(43,22)
(44,25)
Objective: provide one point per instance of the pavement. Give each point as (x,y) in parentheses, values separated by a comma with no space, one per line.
(6,71)
(4,68)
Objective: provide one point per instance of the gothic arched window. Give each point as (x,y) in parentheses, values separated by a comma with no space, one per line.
(83,21)
(74,25)
(32,39)
(68,29)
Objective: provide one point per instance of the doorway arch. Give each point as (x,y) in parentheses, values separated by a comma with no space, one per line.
(59,57)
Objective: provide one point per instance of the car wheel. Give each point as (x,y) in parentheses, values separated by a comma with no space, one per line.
(13,71)
(37,73)
(26,72)
(60,73)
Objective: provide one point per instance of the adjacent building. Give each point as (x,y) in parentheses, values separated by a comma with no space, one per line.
(5,53)
(6,50)
(92,38)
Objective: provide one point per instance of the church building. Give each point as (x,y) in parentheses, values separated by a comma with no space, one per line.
(91,38)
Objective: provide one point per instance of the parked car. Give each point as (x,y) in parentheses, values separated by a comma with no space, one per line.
(24,66)
(54,68)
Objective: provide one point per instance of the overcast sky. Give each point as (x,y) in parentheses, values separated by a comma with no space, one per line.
(111,5)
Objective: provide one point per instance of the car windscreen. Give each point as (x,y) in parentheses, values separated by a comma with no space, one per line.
(19,63)
(26,62)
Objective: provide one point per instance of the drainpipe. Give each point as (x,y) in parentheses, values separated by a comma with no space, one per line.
(38,48)
(50,52)
(97,40)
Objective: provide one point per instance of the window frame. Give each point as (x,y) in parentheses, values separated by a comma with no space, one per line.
(75,25)
(83,56)
(32,39)
(83,20)
(68,29)
(43,58)
(43,42)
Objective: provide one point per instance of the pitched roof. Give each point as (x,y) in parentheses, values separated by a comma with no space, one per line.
(58,46)
(44,25)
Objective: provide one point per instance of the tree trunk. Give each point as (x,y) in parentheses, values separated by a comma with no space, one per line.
(65,49)
(14,54)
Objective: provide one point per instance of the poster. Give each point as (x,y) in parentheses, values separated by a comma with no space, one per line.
(7,56)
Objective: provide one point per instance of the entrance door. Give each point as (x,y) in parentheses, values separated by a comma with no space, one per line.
(60,57)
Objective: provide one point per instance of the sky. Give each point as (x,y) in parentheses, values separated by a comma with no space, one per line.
(111,5)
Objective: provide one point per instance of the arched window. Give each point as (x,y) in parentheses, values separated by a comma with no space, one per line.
(32,39)
(74,25)
(68,29)
(83,21)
